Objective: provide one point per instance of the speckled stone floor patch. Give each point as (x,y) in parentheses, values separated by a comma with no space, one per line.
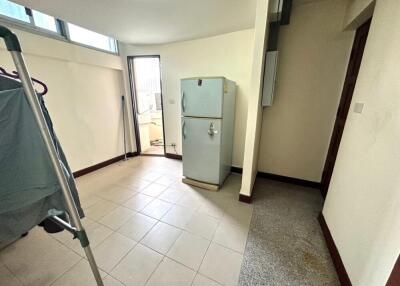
(285,245)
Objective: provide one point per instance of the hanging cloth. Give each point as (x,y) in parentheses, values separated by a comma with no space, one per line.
(29,189)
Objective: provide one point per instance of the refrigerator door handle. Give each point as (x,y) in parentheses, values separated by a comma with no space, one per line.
(211,130)
(183,130)
(183,102)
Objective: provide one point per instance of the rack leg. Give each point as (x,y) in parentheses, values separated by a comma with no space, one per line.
(93,265)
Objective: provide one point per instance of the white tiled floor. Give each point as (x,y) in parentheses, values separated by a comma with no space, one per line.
(146,228)
(189,249)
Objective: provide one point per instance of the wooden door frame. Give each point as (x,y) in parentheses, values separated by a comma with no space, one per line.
(134,101)
(394,279)
(344,106)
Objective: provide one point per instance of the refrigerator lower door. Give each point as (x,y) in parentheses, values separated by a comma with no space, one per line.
(201,139)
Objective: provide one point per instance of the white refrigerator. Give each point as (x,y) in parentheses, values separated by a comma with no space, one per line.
(208,115)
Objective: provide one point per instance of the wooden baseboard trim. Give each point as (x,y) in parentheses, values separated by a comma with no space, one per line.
(238,170)
(98,166)
(151,155)
(132,154)
(290,180)
(337,260)
(245,199)
(173,156)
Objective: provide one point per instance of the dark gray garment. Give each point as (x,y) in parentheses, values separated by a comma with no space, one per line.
(29,189)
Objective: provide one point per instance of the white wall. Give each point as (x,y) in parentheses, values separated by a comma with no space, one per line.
(362,208)
(84,99)
(313,58)
(228,55)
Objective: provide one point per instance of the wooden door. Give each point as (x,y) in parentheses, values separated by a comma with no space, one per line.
(345,101)
(394,279)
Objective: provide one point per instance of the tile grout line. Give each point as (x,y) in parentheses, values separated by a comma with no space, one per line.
(136,212)
(91,245)
(154,270)
(158,220)
(205,253)
(119,261)
(140,211)
(12,273)
(62,274)
(115,279)
(137,242)
(163,255)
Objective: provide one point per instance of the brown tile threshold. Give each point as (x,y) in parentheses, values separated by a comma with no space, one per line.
(173,156)
(337,260)
(245,199)
(151,155)
(102,164)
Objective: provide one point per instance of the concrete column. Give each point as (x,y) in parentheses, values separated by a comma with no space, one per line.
(254,114)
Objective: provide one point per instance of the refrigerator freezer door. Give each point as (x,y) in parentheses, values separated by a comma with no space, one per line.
(201,139)
(202,97)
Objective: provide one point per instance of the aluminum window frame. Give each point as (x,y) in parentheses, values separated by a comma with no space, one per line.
(62,33)
(68,37)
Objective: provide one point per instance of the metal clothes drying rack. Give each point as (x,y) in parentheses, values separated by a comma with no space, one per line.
(76,228)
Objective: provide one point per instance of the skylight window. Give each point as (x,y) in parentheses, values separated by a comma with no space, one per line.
(27,18)
(12,10)
(90,38)
(44,21)
(32,17)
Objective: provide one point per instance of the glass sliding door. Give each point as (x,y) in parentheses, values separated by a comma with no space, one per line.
(146,79)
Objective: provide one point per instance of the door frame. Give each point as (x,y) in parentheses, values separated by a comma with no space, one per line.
(134,102)
(344,107)
(394,278)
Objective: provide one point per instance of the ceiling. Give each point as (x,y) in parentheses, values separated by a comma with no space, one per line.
(152,21)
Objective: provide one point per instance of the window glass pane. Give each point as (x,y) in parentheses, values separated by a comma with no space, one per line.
(44,21)
(147,84)
(13,10)
(90,38)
